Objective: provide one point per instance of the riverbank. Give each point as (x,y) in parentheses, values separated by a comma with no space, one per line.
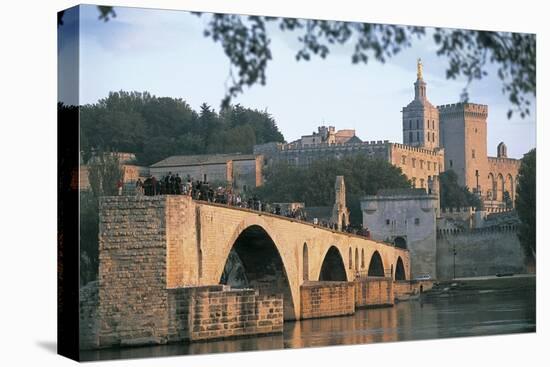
(464,286)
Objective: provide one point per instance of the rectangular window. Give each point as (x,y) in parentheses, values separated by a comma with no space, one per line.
(429,165)
(417,221)
(421,164)
(414,162)
(404,160)
(387,222)
(451,162)
(473,153)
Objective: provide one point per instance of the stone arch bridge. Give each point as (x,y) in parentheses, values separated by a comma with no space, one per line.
(151,245)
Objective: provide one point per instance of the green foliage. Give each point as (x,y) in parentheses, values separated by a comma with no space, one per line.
(155,128)
(89,237)
(315,185)
(246,43)
(526,203)
(507,199)
(452,195)
(104,172)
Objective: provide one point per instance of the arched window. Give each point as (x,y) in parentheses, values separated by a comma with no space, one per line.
(350,265)
(362,258)
(356,259)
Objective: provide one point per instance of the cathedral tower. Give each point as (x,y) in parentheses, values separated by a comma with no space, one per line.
(420,117)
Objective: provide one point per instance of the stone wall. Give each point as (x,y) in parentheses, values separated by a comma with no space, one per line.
(409,215)
(372,292)
(323,299)
(89,321)
(213,312)
(480,252)
(418,164)
(132,271)
(405,289)
(151,245)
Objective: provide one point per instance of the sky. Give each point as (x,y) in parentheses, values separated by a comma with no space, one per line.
(165,53)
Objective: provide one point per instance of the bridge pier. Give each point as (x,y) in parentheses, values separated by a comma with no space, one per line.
(162,259)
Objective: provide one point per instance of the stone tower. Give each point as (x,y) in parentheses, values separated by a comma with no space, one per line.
(433,189)
(464,137)
(340,212)
(502,150)
(420,117)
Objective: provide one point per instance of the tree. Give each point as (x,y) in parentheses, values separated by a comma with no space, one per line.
(452,195)
(104,172)
(507,199)
(246,42)
(526,203)
(157,127)
(314,185)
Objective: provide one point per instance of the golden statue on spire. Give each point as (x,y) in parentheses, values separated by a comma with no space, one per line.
(419,68)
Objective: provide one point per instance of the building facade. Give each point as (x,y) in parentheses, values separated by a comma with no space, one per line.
(240,171)
(451,136)
(406,218)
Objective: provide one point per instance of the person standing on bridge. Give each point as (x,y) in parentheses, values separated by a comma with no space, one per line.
(119,185)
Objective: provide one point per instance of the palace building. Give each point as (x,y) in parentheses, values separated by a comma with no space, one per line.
(452,136)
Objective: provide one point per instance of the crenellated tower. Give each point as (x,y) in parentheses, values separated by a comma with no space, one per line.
(464,137)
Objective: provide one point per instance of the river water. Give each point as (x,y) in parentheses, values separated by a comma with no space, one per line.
(465,313)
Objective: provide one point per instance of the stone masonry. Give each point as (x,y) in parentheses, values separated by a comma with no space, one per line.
(370,292)
(324,299)
(154,250)
(214,312)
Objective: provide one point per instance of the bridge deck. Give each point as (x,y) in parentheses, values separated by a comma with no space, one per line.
(260,213)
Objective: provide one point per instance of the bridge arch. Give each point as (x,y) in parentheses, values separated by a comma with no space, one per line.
(400,242)
(263,265)
(510,187)
(400,270)
(500,187)
(493,186)
(332,267)
(376,266)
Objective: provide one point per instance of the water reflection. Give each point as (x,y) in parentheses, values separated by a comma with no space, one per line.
(469,314)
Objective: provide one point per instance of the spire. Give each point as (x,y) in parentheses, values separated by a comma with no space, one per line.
(419,85)
(419,69)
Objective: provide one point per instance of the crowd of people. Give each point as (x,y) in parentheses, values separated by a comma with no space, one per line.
(172,184)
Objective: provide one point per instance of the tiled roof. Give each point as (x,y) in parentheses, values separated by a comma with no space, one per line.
(194,160)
